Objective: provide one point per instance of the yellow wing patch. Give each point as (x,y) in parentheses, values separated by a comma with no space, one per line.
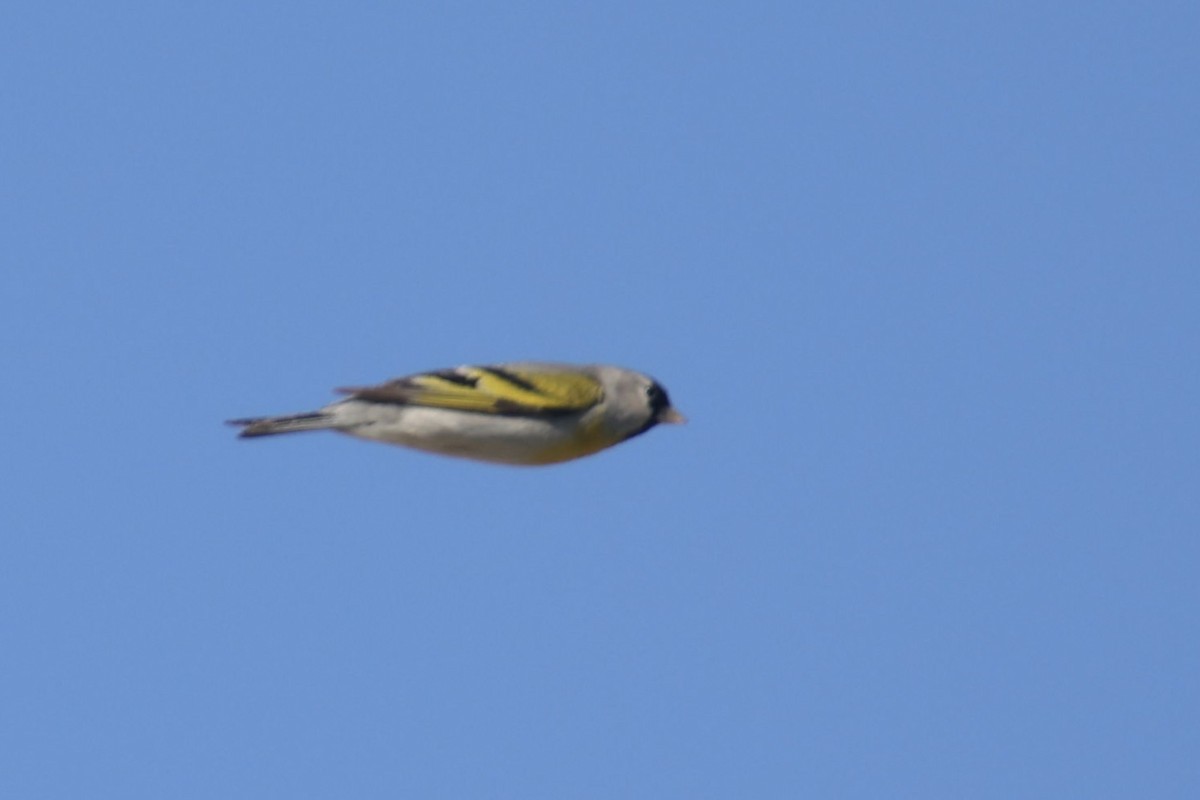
(491,390)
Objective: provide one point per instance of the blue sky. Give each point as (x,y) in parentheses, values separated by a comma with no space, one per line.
(924,278)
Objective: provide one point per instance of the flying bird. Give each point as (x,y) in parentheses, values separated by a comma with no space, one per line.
(519,413)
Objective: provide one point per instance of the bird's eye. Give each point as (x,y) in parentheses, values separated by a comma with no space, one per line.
(657,396)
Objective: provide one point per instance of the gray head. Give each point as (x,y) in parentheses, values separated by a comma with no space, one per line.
(634,402)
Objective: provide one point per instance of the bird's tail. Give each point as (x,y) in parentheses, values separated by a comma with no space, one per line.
(292,423)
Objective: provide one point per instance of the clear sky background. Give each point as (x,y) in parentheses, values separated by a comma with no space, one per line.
(925,277)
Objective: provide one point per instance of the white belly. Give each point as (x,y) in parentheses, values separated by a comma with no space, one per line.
(486,437)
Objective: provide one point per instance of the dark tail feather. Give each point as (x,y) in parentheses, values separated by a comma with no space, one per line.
(292,423)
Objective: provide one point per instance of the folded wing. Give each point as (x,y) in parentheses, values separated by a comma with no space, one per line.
(508,390)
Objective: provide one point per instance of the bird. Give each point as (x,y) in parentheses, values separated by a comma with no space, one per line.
(521,413)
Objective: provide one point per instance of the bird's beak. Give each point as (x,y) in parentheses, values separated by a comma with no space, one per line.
(671,417)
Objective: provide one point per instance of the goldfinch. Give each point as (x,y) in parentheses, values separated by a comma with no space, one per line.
(520,413)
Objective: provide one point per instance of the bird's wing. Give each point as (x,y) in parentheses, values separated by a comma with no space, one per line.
(513,390)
